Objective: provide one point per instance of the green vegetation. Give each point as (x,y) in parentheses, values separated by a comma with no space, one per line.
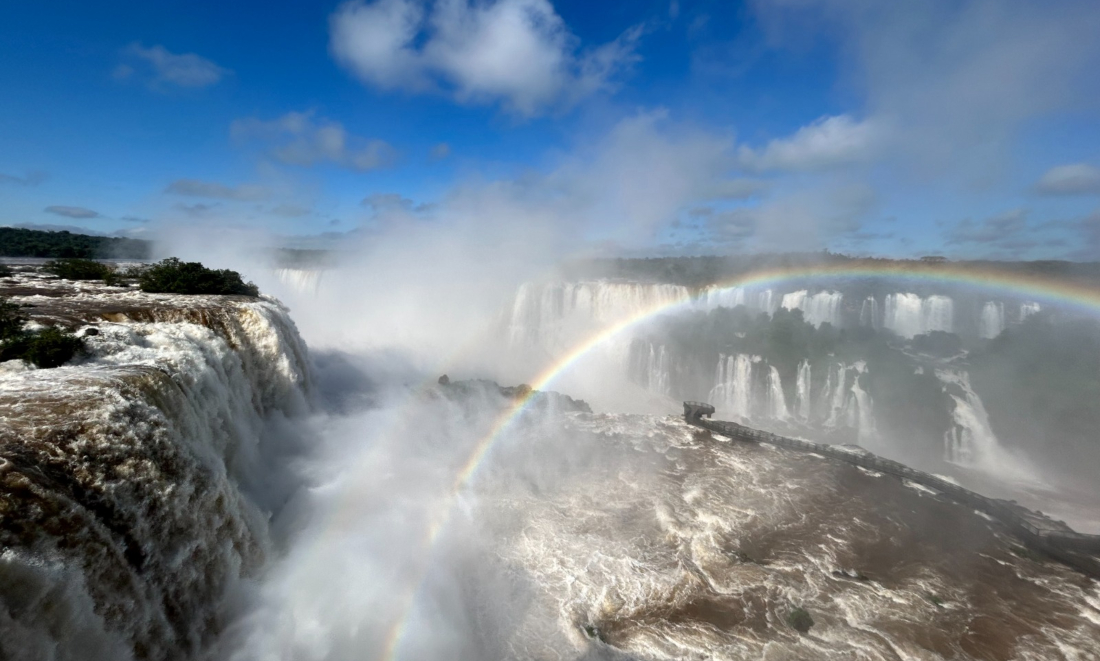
(593,632)
(171,276)
(799,619)
(17,242)
(49,347)
(78,269)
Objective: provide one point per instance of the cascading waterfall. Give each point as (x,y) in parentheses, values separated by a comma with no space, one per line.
(126,520)
(868,313)
(650,367)
(733,390)
(817,309)
(970,442)
(551,315)
(802,391)
(859,406)
(302,281)
(833,393)
(909,315)
(992,321)
(777,401)
(1027,309)
(713,297)
(765,301)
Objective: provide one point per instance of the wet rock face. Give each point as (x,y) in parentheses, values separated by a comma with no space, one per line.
(122,516)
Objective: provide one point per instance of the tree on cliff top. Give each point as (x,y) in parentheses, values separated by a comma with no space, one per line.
(172,276)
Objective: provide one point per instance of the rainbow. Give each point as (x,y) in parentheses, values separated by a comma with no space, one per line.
(1076,294)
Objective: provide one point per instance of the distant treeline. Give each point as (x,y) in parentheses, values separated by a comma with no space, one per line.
(17,242)
(706,270)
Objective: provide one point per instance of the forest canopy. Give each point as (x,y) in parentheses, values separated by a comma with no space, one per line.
(19,242)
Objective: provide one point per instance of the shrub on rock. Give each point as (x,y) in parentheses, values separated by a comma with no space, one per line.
(799,619)
(172,276)
(78,269)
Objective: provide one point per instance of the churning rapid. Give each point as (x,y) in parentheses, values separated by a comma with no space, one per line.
(199,486)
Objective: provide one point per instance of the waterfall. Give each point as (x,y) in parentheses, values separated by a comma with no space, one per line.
(868,313)
(733,390)
(765,301)
(553,315)
(650,367)
(302,281)
(909,314)
(777,402)
(992,321)
(859,407)
(802,391)
(715,297)
(817,309)
(1027,309)
(833,393)
(971,442)
(137,464)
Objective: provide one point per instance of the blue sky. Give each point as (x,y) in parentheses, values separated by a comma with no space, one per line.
(968,128)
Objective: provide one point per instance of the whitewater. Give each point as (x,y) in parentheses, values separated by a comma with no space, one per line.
(203,486)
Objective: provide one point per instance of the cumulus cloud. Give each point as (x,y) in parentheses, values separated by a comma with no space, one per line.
(825,143)
(29,179)
(518,52)
(71,212)
(300,138)
(214,190)
(168,68)
(1073,179)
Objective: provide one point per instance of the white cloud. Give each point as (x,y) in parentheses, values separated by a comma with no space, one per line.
(827,142)
(1073,179)
(214,190)
(953,80)
(519,52)
(71,212)
(298,138)
(180,69)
